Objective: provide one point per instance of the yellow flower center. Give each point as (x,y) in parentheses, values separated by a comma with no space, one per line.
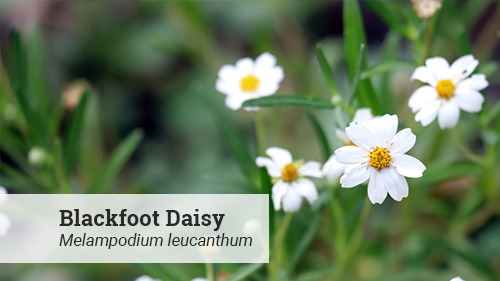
(289,172)
(249,83)
(351,143)
(380,158)
(445,89)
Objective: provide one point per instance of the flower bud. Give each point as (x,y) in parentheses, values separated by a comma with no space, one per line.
(426,8)
(37,156)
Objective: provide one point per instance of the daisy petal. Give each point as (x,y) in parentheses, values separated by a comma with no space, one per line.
(463,67)
(362,115)
(402,142)
(333,169)
(228,73)
(476,82)
(386,130)
(291,201)
(356,176)
(351,155)
(3,194)
(264,62)
(268,88)
(395,184)
(408,166)
(280,156)
(234,102)
(272,169)
(311,169)
(376,189)
(424,75)
(244,66)
(448,115)
(421,97)
(439,67)
(360,136)
(471,101)
(279,190)
(428,113)
(306,189)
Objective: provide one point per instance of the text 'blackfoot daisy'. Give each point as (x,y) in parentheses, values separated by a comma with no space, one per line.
(449,90)
(291,184)
(379,158)
(249,79)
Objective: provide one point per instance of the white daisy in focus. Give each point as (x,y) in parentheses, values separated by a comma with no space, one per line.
(457,279)
(249,79)
(146,278)
(450,90)
(291,184)
(426,8)
(379,158)
(333,169)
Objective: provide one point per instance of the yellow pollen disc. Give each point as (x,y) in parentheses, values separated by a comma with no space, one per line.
(380,158)
(249,83)
(445,89)
(289,172)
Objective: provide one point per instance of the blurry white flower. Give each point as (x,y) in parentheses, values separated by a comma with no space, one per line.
(379,157)
(37,156)
(252,228)
(249,79)
(146,278)
(3,194)
(199,279)
(72,94)
(457,279)
(291,183)
(10,112)
(4,220)
(449,90)
(334,169)
(426,8)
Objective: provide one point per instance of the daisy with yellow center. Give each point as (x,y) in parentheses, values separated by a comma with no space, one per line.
(379,158)
(450,90)
(290,177)
(249,79)
(332,168)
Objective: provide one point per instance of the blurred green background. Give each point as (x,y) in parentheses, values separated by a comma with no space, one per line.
(155,124)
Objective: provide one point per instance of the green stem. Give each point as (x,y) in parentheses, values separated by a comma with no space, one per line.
(210,271)
(278,246)
(465,149)
(428,38)
(358,234)
(260,132)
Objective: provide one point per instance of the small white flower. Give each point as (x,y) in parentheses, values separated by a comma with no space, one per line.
(379,157)
(334,169)
(249,79)
(426,8)
(37,156)
(457,279)
(449,90)
(146,278)
(291,183)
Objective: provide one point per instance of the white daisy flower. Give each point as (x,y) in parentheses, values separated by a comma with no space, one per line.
(291,183)
(379,158)
(449,90)
(146,278)
(334,169)
(457,279)
(426,8)
(249,79)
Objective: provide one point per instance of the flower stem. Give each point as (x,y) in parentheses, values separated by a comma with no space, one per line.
(278,246)
(465,149)
(210,271)
(358,233)
(260,133)
(428,38)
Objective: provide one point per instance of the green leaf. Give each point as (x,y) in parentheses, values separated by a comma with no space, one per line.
(320,134)
(290,100)
(18,67)
(326,70)
(355,82)
(354,37)
(245,271)
(73,140)
(37,82)
(120,156)
(385,67)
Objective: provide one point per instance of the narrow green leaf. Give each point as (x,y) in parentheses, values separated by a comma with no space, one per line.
(326,70)
(464,45)
(120,156)
(320,134)
(73,140)
(37,82)
(245,271)
(290,100)
(355,82)
(354,37)
(385,67)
